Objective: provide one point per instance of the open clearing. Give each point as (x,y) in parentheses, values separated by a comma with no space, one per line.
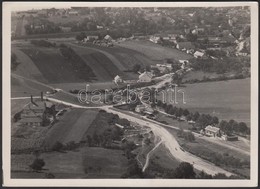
(71,127)
(155,51)
(224,99)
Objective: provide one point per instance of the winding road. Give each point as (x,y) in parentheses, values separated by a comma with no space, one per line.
(168,139)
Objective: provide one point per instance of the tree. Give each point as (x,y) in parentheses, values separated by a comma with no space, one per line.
(57,146)
(89,140)
(185,170)
(136,68)
(80,36)
(37,164)
(215,120)
(186,112)
(242,127)
(196,116)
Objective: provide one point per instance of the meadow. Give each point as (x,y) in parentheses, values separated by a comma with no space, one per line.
(224,99)
(84,163)
(154,51)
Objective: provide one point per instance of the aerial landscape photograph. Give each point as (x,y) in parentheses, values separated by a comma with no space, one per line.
(131,93)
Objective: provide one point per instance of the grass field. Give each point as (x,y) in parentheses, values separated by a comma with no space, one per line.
(83,163)
(71,127)
(154,51)
(21,87)
(27,68)
(224,99)
(163,157)
(104,163)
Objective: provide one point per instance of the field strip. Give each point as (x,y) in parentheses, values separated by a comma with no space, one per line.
(111,57)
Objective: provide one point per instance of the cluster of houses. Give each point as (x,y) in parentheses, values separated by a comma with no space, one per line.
(224,41)
(107,41)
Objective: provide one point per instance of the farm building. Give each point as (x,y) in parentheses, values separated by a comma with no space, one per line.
(145,77)
(212,131)
(37,114)
(229,138)
(91,38)
(108,38)
(144,108)
(163,68)
(199,54)
(73,12)
(185,46)
(118,79)
(155,39)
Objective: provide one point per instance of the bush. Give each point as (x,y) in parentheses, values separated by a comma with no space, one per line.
(57,146)
(37,164)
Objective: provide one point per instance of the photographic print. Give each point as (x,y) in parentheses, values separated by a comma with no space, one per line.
(130,94)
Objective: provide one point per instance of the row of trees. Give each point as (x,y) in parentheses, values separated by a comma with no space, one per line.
(43,26)
(224,65)
(203,120)
(43,43)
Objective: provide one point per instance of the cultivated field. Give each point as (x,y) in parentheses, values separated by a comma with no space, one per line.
(53,66)
(71,127)
(154,51)
(104,64)
(126,58)
(224,99)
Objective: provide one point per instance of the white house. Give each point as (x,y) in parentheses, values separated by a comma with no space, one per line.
(118,79)
(155,39)
(108,38)
(199,54)
(212,131)
(145,77)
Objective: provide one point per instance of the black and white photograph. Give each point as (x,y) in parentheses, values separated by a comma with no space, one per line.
(130,94)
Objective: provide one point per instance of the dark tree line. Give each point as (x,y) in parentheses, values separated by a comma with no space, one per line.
(43,43)
(203,120)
